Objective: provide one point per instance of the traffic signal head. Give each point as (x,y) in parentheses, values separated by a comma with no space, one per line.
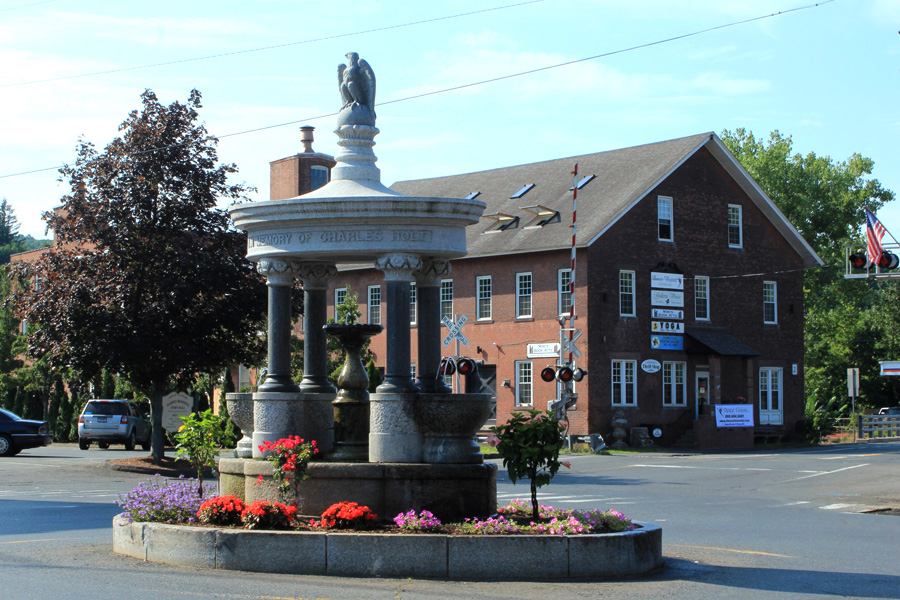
(860,260)
(578,374)
(548,373)
(448,366)
(466,366)
(888,260)
(564,374)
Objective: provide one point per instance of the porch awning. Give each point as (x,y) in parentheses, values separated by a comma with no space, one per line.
(714,340)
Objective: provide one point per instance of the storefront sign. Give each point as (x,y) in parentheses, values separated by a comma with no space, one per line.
(734,415)
(666,327)
(665,313)
(179,404)
(541,350)
(650,366)
(890,367)
(664,298)
(667,342)
(668,281)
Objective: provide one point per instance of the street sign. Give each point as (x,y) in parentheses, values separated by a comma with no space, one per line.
(455,330)
(853,382)
(890,367)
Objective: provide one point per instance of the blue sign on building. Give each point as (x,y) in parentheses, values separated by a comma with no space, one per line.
(667,342)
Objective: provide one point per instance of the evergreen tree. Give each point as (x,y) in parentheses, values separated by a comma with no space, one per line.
(9,224)
(76,405)
(107,385)
(20,401)
(62,426)
(57,396)
(34,406)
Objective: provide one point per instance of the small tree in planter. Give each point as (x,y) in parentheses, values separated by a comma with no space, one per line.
(198,441)
(529,445)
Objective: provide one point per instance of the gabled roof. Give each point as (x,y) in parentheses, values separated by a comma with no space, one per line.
(622,178)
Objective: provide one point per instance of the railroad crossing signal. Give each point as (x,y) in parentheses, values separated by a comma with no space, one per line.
(455,330)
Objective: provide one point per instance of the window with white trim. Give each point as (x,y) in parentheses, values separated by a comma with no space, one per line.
(626,294)
(770,302)
(375,304)
(664,219)
(412,303)
(564,279)
(701,298)
(770,389)
(523,383)
(624,383)
(735,234)
(523,295)
(340,294)
(483,286)
(674,384)
(447,298)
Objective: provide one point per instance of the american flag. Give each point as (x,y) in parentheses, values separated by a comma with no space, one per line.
(874,232)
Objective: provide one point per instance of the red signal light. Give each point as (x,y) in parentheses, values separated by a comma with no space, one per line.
(548,374)
(564,374)
(466,366)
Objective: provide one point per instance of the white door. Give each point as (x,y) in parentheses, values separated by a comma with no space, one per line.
(771,407)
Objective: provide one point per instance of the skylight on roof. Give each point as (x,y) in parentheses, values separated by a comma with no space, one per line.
(541,215)
(502,222)
(583,182)
(473,195)
(524,190)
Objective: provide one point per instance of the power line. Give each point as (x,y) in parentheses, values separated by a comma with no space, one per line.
(492,80)
(265,48)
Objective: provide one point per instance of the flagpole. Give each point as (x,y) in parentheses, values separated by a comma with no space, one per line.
(572,275)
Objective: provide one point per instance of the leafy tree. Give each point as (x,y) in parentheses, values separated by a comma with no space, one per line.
(149,280)
(825,200)
(107,385)
(198,439)
(9,224)
(62,426)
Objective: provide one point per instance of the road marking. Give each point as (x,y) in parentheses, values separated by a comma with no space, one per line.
(702,468)
(732,550)
(32,541)
(843,507)
(824,473)
(795,503)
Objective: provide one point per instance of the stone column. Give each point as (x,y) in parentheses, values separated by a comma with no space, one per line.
(398,271)
(315,277)
(428,290)
(280,279)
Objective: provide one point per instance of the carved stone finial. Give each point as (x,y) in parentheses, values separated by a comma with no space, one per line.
(432,270)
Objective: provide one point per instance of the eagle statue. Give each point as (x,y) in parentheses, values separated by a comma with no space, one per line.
(357,83)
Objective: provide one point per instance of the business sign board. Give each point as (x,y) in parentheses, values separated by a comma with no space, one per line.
(667,342)
(668,281)
(542,350)
(890,367)
(666,298)
(665,313)
(650,366)
(734,415)
(175,405)
(666,327)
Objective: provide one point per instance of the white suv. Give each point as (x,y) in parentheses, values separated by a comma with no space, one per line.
(113,422)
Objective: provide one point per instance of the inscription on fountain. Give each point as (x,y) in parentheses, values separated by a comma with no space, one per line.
(341,237)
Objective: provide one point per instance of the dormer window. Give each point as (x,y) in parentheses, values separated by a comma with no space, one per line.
(583,182)
(473,195)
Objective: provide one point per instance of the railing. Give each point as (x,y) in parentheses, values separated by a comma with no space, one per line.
(878,426)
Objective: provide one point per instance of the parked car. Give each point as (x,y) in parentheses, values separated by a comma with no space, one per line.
(113,422)
(17,434)
(890,410)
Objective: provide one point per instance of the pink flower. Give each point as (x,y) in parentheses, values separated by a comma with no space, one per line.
(493,441)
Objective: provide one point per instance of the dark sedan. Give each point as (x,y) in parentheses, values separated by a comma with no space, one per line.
(17,434)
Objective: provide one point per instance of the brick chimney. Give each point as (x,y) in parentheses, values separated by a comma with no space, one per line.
(301,173)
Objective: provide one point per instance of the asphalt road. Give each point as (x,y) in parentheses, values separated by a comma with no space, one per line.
(783,524)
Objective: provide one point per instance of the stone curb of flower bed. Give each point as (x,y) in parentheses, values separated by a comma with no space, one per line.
(434,556)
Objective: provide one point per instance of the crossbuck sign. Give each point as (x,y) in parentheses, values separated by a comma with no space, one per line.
(455,330)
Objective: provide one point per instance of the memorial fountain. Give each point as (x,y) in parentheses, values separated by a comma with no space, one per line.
(410,444)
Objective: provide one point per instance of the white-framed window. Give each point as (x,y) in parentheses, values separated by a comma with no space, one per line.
(701,298)
(318,176)
(674,384)
(564,279)
(770,400)
(735,235)
(624,383)
(412,303)
(340,294)
(412,370)
(483,285)
(664,219)
(626,294)
(523,295)
(447,298)
(375,304)
(770,302)
(524,383)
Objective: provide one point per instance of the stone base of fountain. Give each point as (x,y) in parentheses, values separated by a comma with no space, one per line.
(451,492)
(277,415)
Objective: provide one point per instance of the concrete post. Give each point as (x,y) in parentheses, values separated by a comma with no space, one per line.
(279,279)
(428,290)
(315,277)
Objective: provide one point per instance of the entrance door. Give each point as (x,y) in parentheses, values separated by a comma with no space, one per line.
(771,407)
(701,391)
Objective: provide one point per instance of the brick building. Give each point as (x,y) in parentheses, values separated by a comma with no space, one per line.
(688,291)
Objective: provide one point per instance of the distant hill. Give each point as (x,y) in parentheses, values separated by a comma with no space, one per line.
(22,243)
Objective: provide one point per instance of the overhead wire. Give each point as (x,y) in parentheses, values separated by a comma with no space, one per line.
(491,80)
(272,47)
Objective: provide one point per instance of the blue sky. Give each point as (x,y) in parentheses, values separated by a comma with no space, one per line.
(826,75)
